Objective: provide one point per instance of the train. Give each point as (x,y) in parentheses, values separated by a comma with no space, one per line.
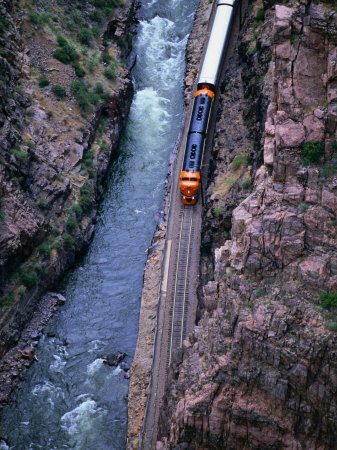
(190,176)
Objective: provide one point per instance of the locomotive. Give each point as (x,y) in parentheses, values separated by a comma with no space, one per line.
(190,176)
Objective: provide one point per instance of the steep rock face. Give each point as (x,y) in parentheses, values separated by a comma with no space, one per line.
(60,121)
(260,369)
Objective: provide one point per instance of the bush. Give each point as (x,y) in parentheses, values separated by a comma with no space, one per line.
(246,183)
(85,36)
(95,16)
(43,81)
(99,89)
(218,211)
(329,299)
(66,53)
(110,72)
(106,57)
(106,96)
(58,91)
(5,301)
(77,210)
(2,215)
(312,152)
(260,15)
(120,42)
(71,223)
(81,94)
(93,98)
(79,71)
(44,249)
(33,17)
(87,194)
(238,161)
(29,279)
(69,240)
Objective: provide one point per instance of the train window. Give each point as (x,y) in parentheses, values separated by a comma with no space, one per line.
(202,100)
(185,179)
(191,164)
(200,110)
(194,179)
(194,147)
(192,156)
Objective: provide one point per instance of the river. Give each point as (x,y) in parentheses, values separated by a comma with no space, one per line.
(70,399)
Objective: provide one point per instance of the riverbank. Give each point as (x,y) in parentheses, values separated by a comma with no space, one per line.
(60,127)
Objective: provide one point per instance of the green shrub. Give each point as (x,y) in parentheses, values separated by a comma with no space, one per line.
(120,42)
(303,206)
(44,249)
(87,194)
(79,71)
(260,15)
(88,159)
(99,89)
(59,177)
(69,240)
(106,96)
(55,231)
(93,98)
(43,81)
(66,53)
(33,17)
(218,211)
(85,36)
(246,183)
(29,279)
(77,209)
(107,11)
(95,16)
(106,57)
(5,301)
(110,72)
(2,215)
(251,51)
(77,17)
(71,223)
(329,299)
(238,161)
(312,152)
(58,91)
(81,94)
(331,326)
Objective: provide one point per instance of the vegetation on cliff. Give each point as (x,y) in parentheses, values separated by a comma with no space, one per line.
(65,92)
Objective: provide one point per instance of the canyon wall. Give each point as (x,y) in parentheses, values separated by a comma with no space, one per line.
(65,92)
(260,369)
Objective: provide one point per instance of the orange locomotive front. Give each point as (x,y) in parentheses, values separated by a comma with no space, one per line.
(190,175)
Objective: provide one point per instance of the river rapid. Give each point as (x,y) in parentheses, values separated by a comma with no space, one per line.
(70,399)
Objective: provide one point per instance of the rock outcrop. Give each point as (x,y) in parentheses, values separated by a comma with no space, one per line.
(65,93)
(260,369)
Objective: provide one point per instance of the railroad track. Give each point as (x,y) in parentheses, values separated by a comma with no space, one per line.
(180,292)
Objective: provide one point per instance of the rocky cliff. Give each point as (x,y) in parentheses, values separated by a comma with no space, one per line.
(65,91)
(260,369)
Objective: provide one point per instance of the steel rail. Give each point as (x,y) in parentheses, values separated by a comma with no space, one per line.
(181,280)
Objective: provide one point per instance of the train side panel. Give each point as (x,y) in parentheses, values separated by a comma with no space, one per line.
(217,43)
(201,111)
